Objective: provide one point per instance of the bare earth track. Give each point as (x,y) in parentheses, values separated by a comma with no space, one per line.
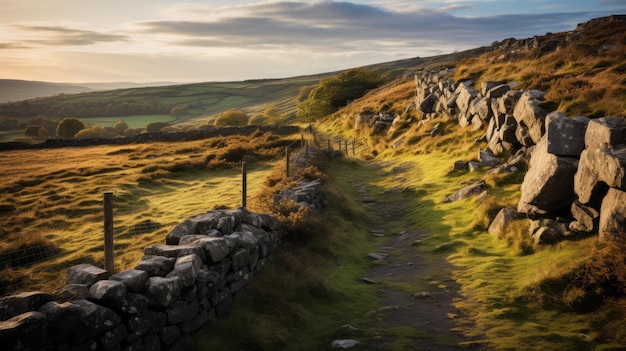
(417,287)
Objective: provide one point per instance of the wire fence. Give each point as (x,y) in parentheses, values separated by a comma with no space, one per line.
(54,227)
(38,245)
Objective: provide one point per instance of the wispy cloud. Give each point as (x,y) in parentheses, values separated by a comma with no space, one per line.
(333,24)
(44,35)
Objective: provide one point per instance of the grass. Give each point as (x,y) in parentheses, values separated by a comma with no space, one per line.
(57,194)
(311,288)
(505,282)
(132,121)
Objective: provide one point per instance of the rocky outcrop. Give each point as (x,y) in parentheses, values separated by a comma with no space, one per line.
(574,163)
(174,290)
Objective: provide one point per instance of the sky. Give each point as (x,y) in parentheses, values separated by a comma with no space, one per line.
(74,41)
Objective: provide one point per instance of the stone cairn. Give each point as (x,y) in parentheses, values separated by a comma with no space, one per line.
(576,166)
(174,290)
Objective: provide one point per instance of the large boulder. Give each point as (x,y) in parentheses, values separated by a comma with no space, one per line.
(599,170)
(465,96)
(613,215)
(528,112)
(548,186)
(603,133)
(566,135)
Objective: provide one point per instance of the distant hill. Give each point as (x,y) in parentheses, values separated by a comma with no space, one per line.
(12,90)
(17,90)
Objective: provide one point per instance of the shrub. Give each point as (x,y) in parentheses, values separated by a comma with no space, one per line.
(232,117)
(69,127)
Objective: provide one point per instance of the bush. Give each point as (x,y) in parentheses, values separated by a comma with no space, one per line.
(335,92)
(258,120)
(69,127)
(232,117)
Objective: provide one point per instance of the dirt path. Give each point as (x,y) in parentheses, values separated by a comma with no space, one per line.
(416,286)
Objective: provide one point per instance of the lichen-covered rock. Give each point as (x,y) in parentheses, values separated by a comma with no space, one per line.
(566,135)
(156,265)
(108,290)
(497,91)
(174,251)
(548,186)
(586,218)
(13,305)
(25,332)
(215,249)
(63,318)
(465,96)
(86,274)
(613,215)
(162,292)
(186,268)
(97,320)
(528,112)
(604,133)
(502,220)
(470,190)
(598,170)
(134,279)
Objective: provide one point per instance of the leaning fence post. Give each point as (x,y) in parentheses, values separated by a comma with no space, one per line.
(287,161)
(108,232)
(244,183)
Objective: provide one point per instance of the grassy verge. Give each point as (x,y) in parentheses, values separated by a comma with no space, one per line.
(312,287)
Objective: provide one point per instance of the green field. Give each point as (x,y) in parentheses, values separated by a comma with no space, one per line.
(132,121)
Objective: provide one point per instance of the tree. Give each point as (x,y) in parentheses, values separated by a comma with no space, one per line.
(68,127)
(257,120)
(232,117)
(43,133)
(273,115)
(155,127)
(335,92)
(120,126)
(32,131)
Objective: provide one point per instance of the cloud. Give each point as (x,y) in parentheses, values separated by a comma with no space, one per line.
(60,36)
(331,26)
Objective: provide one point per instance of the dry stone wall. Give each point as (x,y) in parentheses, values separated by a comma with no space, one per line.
(576,166)
(174,290)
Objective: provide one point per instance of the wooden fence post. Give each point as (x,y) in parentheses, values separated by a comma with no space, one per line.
(353,147)
(306,152)
(244,183)
(287,161)
(340,150)
(302,141)
(330,149)
(346,145)
(108,233)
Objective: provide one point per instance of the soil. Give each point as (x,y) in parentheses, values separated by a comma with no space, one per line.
(417,287)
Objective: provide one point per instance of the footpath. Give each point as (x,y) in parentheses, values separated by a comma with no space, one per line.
(416,285)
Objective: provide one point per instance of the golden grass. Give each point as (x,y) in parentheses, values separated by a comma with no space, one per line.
(586,77)
(58,193)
